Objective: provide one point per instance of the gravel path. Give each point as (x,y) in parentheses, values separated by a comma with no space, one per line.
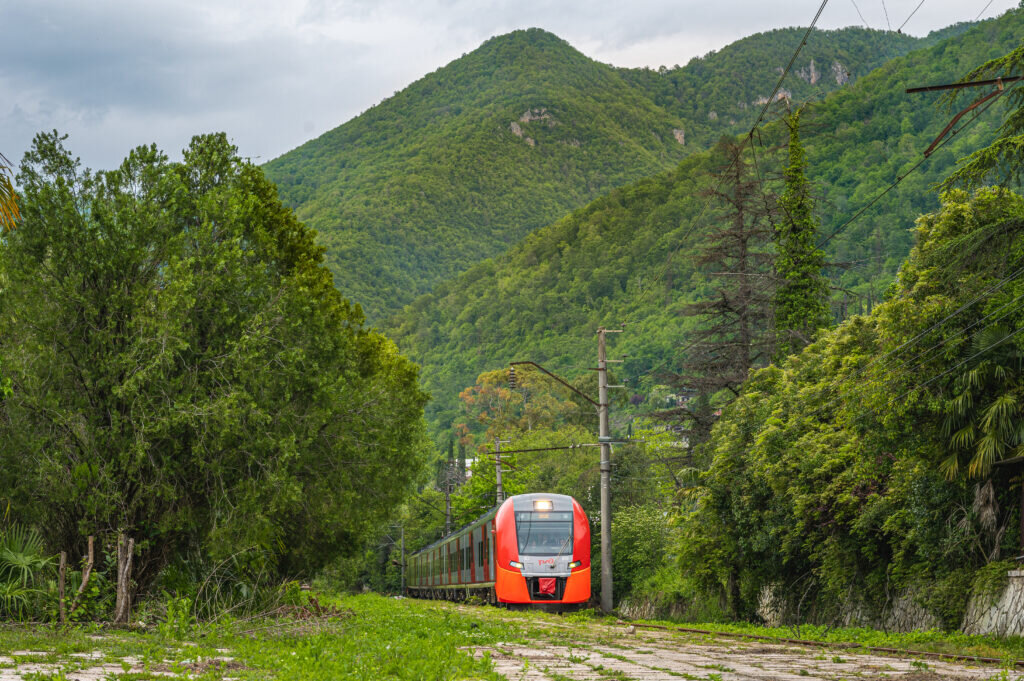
(646,655)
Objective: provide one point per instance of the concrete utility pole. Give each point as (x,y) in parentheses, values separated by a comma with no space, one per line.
(604,441)
(448,499)
(606,469)
(497,471)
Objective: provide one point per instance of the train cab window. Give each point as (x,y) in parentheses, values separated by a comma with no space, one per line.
(544,534)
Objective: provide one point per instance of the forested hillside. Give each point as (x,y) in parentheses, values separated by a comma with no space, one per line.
(726,89)
(607,263)
(468,160)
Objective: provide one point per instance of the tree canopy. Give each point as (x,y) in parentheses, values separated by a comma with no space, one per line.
(185,371)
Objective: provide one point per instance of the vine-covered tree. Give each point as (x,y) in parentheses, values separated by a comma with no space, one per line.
(801,298)
(185,371)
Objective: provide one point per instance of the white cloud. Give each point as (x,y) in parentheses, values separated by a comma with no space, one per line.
(117,73)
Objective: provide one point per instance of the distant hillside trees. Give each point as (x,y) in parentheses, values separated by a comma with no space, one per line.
(185,371)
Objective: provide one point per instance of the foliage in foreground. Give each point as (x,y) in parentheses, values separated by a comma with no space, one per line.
(185,371)
(827,483)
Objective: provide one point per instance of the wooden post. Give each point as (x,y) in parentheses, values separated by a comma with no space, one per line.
(62,574)
(86,574)
(122,607)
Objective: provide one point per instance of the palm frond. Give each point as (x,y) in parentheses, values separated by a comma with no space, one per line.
(988,451)
(964,438)
(22,554)
(9,213)
(950,466)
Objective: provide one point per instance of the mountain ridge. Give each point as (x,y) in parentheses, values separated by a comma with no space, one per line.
(470,158)
(606,262)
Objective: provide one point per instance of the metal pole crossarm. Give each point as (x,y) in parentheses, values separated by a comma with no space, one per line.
(536,449)
(560,380)
(978,102)
(958,86)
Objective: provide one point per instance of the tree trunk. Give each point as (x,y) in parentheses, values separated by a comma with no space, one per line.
(86,574)
(62,574)
(122,607)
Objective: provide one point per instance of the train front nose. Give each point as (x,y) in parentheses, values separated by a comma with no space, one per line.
(544,534)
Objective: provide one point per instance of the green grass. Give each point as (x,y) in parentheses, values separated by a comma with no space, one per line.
(382,638)
(376,637)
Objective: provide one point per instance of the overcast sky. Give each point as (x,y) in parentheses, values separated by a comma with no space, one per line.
(273,73)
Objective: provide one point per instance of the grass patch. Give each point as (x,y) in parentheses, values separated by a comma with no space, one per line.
(378,638)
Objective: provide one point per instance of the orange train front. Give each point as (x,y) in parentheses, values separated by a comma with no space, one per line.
(533,549)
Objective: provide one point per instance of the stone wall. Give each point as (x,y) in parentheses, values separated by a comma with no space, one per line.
(1002,615)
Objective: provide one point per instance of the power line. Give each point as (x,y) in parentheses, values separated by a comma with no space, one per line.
(860,372)
(904,176)
(983,10)
(860,15)
(887,24)
(960,364)
(900,29)
(992,289)
(962,331)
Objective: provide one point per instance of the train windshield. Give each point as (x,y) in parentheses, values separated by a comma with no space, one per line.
(544,534)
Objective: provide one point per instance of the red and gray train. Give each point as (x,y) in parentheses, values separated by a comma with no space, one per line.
(532,549)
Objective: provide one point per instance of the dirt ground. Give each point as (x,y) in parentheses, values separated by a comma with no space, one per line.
(650,655)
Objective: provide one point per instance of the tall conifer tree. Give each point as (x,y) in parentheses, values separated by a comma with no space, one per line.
(801,297)
(735,319)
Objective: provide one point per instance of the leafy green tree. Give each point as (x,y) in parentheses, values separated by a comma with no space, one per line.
(801,298)
(185,370)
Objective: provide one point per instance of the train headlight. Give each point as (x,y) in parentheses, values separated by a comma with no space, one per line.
(575,564)
(542,505)
(515,564)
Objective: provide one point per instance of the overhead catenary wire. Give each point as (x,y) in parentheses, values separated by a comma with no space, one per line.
(900,29)
(913,168)
(860,15)
(964,330)
(838,399)
(987,5)
(861,371)
(958,365)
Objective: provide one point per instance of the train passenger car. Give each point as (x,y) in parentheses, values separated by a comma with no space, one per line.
(532,549)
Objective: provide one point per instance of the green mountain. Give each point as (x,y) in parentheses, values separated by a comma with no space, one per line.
(474,156)
(610,261)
